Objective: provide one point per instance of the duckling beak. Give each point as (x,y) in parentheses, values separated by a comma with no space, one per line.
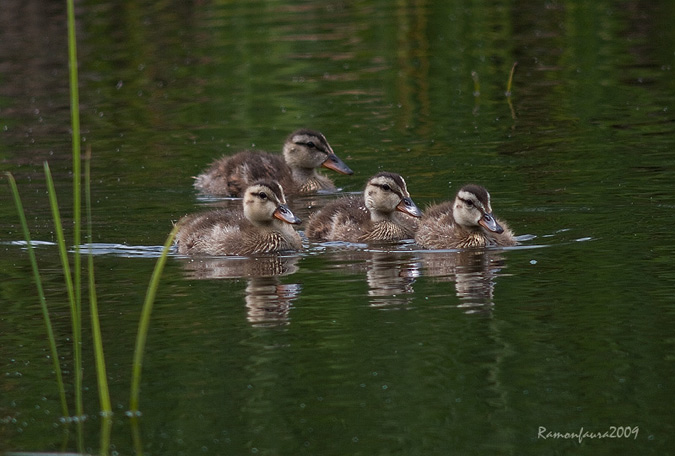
(489,223)
(284,214)
(408,207)
(333,162)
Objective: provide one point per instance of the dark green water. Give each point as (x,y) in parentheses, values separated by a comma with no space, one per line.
(355,350)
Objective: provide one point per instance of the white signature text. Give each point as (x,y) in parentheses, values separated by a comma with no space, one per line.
(613,432)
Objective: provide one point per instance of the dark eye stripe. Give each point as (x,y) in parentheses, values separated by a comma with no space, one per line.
(388,188)
(477,205)
(312,145)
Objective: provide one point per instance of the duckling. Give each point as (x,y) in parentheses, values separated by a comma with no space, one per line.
(304,151)
(264,226)
(372,217)
(465,222)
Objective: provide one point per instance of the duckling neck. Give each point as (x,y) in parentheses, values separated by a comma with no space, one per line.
(473,236)
(303,174)
(263,224)
(379,216)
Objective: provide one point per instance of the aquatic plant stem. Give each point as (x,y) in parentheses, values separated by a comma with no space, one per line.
(145,323)
(510,82)
(508,90)
(77,195)
(476,84)
(41,294)
(75,311)
(136,435)
(101,373)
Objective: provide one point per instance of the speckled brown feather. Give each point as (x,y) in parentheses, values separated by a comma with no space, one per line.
(438,230)
(347,219)
(303,152)
(262,225)
(231,175)
(228,232)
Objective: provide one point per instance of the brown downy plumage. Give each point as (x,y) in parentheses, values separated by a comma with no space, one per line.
(264,226)
(465,222)
(304,151)
(371,217)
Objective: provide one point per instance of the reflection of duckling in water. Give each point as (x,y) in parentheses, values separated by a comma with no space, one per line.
(473,271)
(390,277)
(372,217)
(304,151)
(465,222)
(264,226)
(268,301)
(263,265)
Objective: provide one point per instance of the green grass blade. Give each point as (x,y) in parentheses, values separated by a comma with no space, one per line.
(101,374)
(145,323)
(136,435)
(60,240)
(106,428)
(509,84)
(75,312)
(43,300)
(75,126)
(77,207)
(476,84)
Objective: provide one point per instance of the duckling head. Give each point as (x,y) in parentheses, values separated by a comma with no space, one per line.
(264,202)
(386,193)
(472,209)
(308,149)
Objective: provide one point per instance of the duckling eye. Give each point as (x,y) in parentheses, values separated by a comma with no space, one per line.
(262,195)
(386,188)
(311,145)
(469,203)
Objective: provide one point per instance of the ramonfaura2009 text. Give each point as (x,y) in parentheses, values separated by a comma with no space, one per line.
(614,432)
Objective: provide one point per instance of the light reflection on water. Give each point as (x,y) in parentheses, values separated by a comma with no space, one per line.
(390,271)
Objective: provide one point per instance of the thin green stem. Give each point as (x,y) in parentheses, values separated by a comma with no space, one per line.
(101,374)
(75,122)
(77,208)
(136,435)
(106,428)
(510,82)
(476,84)
(75,314)
(145,323)
(61,243)
(41,294)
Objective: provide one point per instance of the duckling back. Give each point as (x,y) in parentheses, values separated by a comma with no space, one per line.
(231,175)
(438,229)
(345,219)
(304,151)
(262,225)
(228,232)
(385,212)
(348,220)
